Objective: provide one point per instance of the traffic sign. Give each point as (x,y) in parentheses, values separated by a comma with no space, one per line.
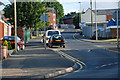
(42,17)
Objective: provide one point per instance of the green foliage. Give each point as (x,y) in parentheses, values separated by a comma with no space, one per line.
(9,46)
(76,21)
(70,14)
(28,13)
(5,43)
(57,6)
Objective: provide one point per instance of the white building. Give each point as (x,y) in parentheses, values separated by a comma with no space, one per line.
(86,17)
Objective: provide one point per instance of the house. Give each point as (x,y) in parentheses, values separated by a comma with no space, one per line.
(101,18)
(68,19)
(52,18)
(105,18)
(5,29)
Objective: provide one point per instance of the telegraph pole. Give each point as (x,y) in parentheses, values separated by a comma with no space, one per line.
(80,13)
(15,25)
(91,17)
(96,21)
(117,31)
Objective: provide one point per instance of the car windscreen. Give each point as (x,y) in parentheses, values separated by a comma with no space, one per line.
(58,37)
(9,38)
(50,33)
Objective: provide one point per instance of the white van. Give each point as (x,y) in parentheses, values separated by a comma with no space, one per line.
(49,33)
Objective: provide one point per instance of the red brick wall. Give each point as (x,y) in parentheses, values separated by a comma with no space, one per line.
(20,33)
(1,30)
(109,17)
(51,17)
(114,32)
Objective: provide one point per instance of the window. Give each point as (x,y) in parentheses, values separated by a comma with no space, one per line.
(53,19)
(50,33)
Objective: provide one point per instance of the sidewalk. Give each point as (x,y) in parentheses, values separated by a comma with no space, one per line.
(34,62)
(81,38)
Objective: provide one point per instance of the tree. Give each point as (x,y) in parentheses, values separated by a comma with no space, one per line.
(70,14)
(57,6)
(76,21)
(28,14)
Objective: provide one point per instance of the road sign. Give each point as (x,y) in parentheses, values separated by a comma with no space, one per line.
(82,24)
(42,18)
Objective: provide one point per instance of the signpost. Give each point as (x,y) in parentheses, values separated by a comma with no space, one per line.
(44,18)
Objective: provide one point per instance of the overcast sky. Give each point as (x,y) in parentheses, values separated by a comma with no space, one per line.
(73,5)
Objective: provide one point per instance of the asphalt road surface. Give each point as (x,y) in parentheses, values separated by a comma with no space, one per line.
(93,59)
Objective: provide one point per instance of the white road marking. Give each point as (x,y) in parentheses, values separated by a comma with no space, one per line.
(89,50)
(103,65)
(116,63)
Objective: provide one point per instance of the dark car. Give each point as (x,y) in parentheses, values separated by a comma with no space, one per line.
(20,42)
(56,40)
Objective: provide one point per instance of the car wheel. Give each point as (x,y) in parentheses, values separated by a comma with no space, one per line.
(18,48)
(63,46)
(23,47)
(60,45)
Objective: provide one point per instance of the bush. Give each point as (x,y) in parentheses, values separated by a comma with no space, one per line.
(5,43)
(9,46)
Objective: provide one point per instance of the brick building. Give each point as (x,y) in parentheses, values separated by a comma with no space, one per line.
(52,18)
(5,29)
(69,19)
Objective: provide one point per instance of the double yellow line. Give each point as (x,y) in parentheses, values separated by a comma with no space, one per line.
(80,63)
(74,36)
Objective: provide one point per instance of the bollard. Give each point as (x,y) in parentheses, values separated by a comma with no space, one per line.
(4,52)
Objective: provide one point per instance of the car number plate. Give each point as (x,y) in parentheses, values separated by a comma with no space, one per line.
(57,40)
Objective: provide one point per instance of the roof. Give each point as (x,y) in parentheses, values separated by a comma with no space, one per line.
(52,9)
(105,11)
(69,17)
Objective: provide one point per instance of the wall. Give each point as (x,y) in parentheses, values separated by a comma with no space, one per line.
(87,32)
(5,29)
(68,21)
(20,33)
(86,17)
(52,19)
(114,32)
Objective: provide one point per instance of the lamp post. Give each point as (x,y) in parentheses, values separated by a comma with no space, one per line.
(79,14)
(117,31)
(15,25)
(91,17)
(96,21)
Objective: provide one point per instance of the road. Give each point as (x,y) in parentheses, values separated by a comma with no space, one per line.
(93,59)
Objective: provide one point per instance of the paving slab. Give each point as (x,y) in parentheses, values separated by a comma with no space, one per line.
(34,62)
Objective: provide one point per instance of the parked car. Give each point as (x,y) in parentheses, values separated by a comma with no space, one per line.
(56,40)
(49,33)
(20,42)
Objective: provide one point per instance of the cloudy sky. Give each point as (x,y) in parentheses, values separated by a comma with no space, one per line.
(73,5)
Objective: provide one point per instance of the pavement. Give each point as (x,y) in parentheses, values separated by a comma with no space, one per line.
(35,62)
(81,38)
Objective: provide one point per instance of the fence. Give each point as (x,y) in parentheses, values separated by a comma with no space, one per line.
(66,26)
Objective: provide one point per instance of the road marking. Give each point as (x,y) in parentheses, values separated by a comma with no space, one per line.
(98,46)
(80,63)
(89,50)
(71,58)
(116,63)
(103,65)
